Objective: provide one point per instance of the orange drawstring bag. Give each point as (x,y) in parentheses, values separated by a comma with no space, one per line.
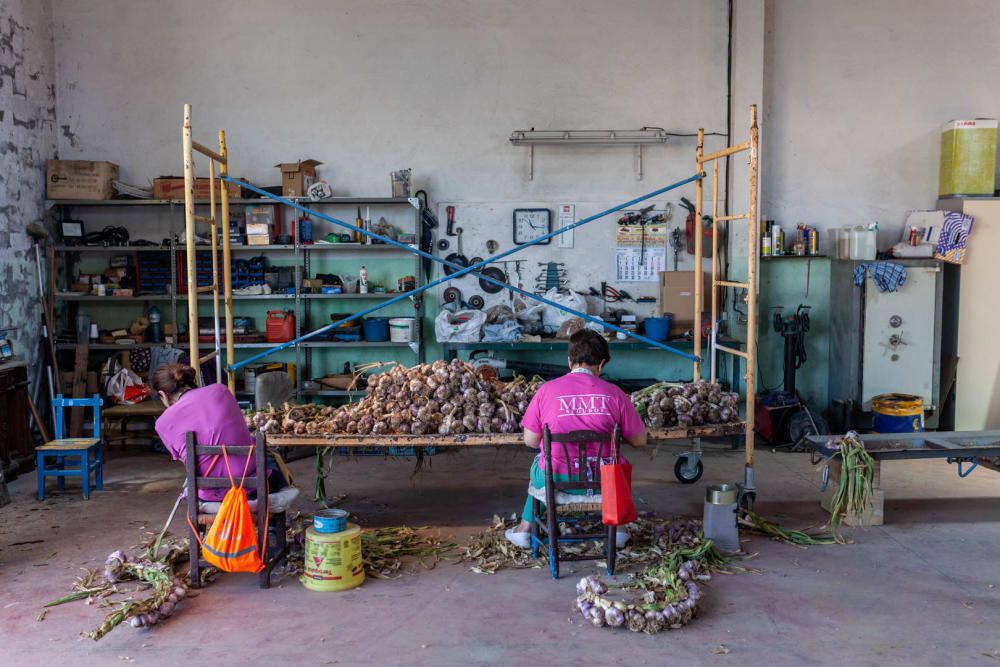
(231,542)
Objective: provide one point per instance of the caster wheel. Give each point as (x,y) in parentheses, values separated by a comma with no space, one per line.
(685,475)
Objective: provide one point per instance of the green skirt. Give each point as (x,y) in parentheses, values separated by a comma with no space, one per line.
(538,481)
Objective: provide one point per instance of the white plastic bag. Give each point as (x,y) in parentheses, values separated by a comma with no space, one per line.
(464,326)
(552,318)
(126,387)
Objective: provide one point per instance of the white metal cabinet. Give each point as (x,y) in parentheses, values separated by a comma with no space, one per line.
(900,348)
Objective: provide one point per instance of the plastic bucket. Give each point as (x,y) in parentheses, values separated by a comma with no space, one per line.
(330,521)
(376,329)
(658,328)
(333,560)
(401,329)
(897,413)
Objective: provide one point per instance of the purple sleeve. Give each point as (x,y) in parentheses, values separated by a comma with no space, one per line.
(630,420)
(173,438)
(532,419)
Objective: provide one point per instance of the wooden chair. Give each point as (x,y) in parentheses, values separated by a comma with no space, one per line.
(584,475)
(202,513)
(52,457)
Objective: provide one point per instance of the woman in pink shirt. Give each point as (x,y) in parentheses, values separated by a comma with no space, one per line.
(577,401)
(213,414)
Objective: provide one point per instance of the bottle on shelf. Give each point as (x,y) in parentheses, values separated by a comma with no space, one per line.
(359,222)
(363,281)
(155,326)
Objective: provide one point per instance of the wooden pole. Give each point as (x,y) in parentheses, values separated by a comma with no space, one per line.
(189,231)
(215,270)
(698,296)
(753,248)
(715,271)
(227,262)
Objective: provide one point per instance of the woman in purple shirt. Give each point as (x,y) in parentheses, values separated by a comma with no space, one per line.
(579,400)
(213,414)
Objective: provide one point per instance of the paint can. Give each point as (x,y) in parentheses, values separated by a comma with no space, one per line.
(897,413)
(333,560)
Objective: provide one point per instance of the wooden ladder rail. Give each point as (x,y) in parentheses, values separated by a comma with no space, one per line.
(218,221)
(752,148)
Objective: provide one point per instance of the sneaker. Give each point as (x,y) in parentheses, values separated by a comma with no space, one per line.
(518,539)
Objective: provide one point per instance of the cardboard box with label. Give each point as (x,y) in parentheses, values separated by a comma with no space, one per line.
(172,187)
(677,297)
(80,179)
(296,177)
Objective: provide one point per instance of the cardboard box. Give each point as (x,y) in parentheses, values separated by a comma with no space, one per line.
(172,187)
(262,217)
(258,239)
(258,228)
(296,177)
(80,179)
(677,297)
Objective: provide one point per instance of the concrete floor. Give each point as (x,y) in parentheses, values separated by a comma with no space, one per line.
(922,590)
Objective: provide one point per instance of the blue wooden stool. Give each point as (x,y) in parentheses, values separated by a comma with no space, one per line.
(53,455)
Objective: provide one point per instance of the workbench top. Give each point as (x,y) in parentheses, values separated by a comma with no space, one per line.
(477,439)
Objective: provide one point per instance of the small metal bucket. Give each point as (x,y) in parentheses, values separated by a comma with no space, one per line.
(330,521)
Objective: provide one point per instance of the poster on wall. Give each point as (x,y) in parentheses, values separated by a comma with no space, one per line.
(640,253)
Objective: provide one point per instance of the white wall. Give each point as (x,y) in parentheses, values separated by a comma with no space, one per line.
(27,140)
(855,95)
(367,87)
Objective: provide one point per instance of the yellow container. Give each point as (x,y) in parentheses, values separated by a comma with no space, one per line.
(968,157)
(333,560)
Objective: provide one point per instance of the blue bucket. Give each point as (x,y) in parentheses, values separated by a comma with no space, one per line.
(658,328)
(376,329)
(330,521)
(897,413)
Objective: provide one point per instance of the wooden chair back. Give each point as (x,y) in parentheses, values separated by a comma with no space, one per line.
(59,404)
(584,470)
(257,481)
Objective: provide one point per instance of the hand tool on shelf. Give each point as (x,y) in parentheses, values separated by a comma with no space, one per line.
(450,229)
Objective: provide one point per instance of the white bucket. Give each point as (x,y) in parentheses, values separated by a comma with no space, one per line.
(401,329)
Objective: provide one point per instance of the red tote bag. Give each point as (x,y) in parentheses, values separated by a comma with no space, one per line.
(617,507)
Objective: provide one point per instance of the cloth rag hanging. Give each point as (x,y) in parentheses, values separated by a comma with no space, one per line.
(888,276)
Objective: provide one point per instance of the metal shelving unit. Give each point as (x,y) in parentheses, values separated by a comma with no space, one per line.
(300,254)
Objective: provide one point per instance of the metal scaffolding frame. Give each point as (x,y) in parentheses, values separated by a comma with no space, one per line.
(748,489)
(749,355)
(216,219)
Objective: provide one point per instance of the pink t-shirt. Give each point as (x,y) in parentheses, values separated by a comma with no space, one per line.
(579,401)
(215,417)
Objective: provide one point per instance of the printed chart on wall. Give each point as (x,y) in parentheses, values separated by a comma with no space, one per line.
(640,253)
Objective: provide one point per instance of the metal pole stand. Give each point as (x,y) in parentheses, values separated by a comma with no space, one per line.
(748,489)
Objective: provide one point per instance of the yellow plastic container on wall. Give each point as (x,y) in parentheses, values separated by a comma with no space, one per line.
(333,560)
